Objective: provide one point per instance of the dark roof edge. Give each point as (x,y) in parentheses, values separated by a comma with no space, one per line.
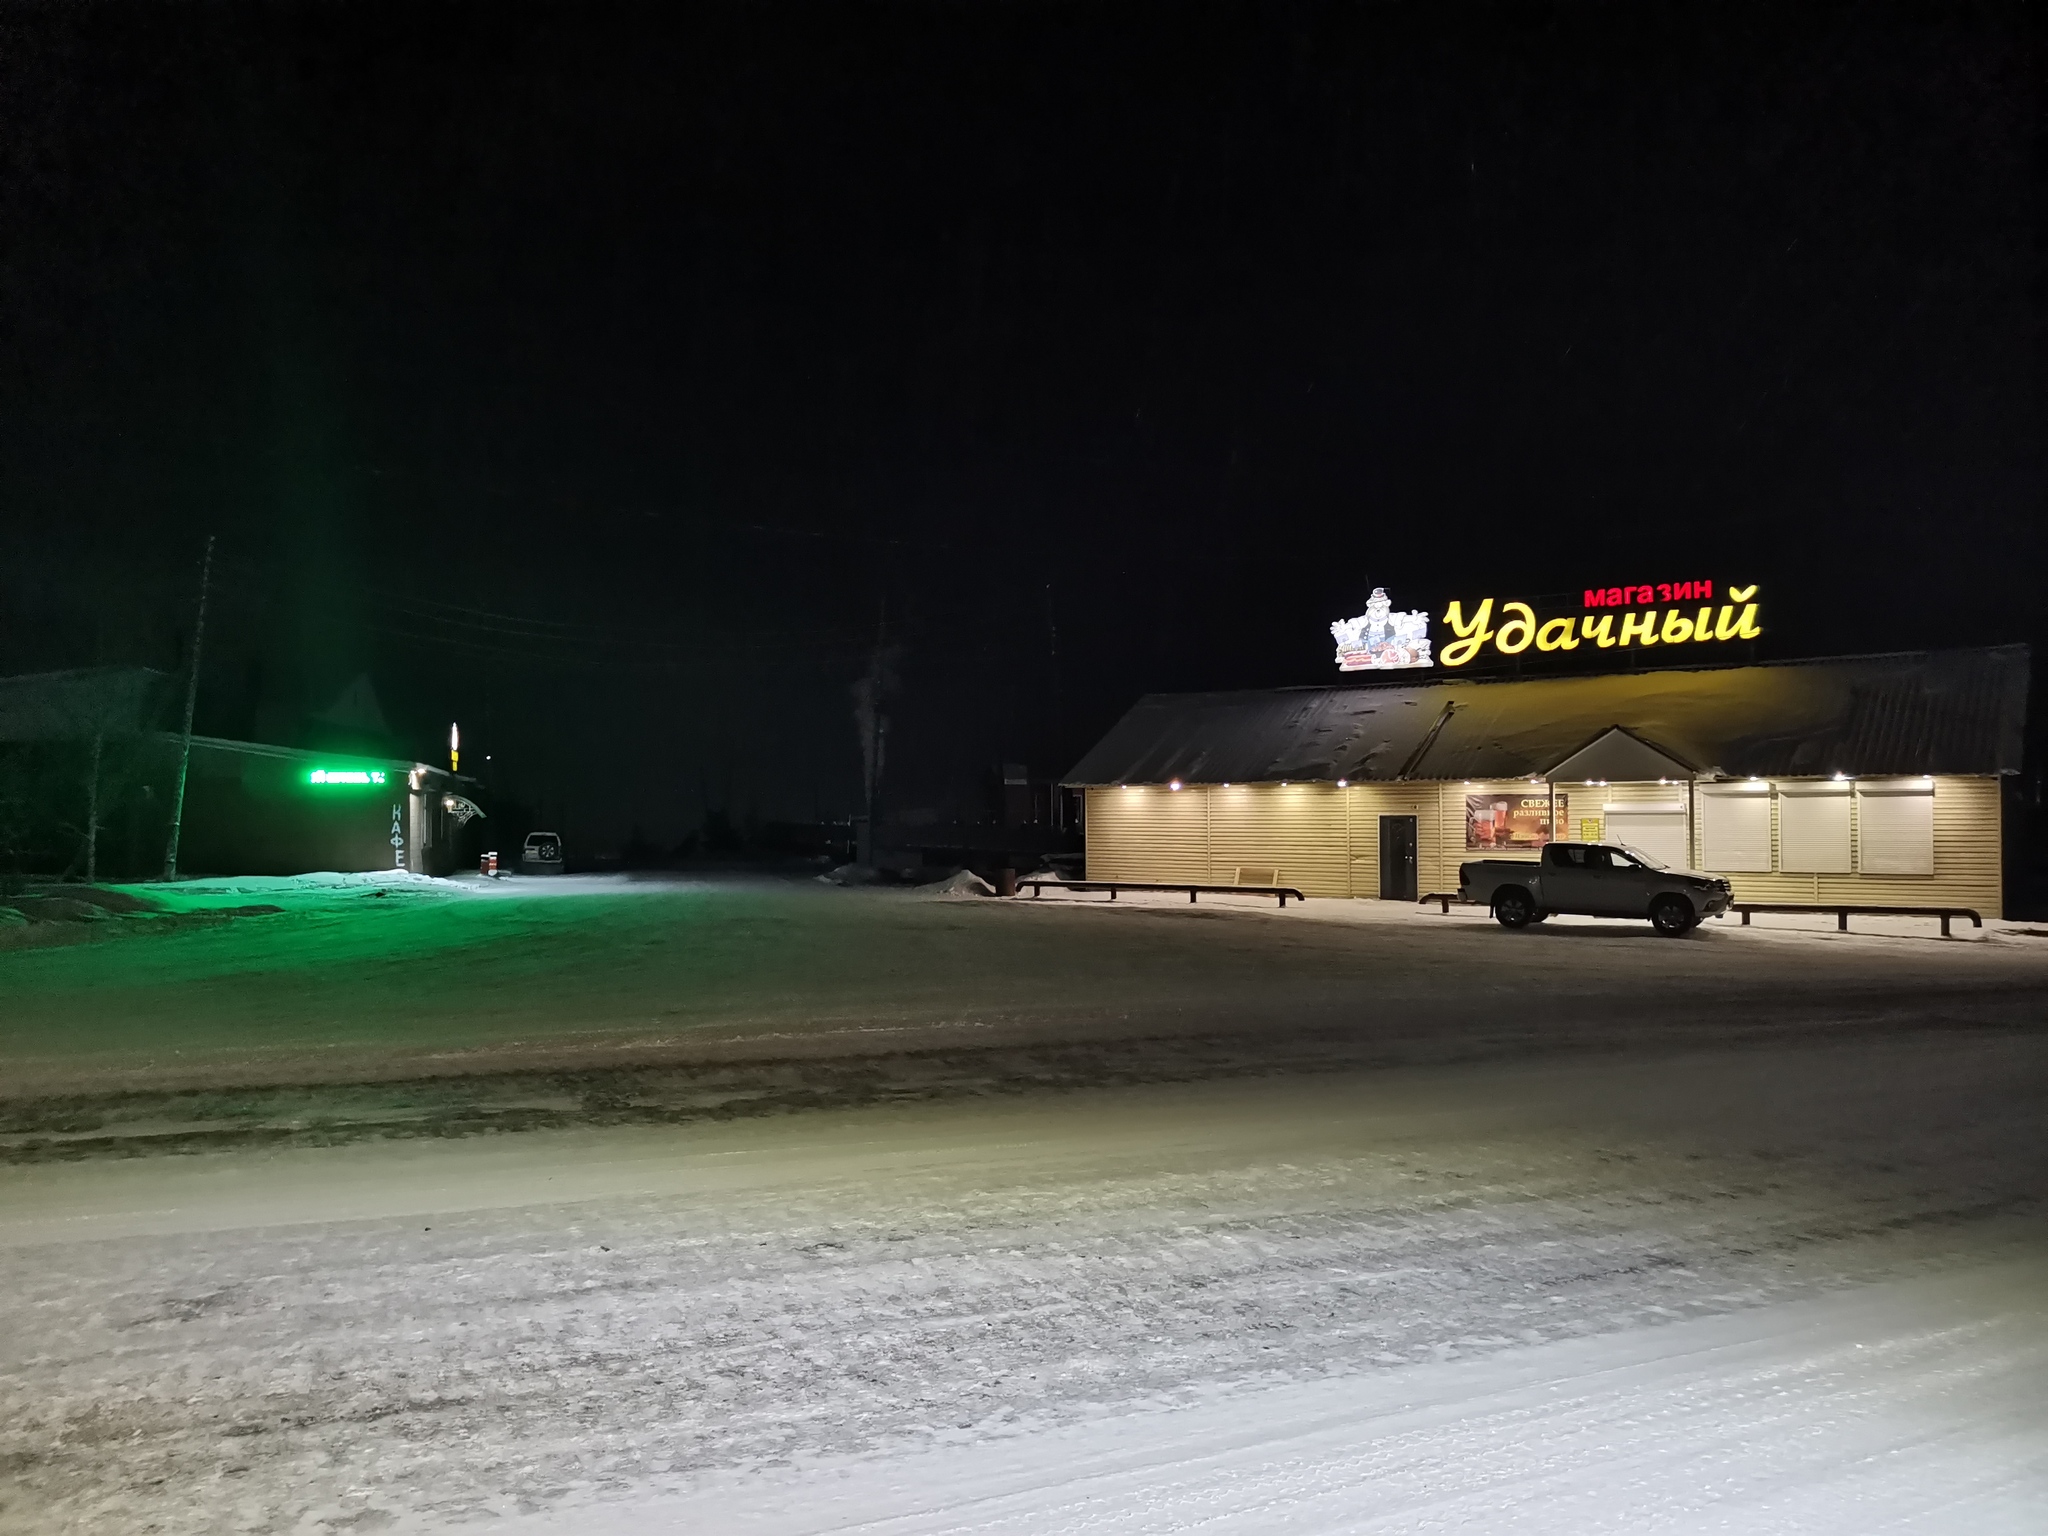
(307,754)
(1436,679)
(110,669)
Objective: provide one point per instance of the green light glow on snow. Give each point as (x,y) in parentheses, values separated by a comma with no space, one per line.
(346,776)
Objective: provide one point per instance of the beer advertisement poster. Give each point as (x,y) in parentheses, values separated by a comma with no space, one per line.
(1507,820)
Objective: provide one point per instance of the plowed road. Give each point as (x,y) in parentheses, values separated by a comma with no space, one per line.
(1757,1289)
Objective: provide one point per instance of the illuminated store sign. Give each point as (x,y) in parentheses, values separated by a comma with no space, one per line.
(1641,623)
(346,776)
(1380,640)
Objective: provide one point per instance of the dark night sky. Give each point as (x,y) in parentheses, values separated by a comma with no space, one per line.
(596,375)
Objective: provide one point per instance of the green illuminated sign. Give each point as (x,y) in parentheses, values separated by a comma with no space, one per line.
(347,776)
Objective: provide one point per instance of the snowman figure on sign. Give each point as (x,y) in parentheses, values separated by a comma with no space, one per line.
(1380,639)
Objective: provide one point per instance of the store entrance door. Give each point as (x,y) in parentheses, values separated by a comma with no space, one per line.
(1397,858)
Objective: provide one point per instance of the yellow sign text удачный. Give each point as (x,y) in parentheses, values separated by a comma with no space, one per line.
(1519,629)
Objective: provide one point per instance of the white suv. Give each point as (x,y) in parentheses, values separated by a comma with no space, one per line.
(542,854)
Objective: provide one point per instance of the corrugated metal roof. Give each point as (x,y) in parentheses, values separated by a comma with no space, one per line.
(307,755)
(216,747)
(74,706)
(1912,713)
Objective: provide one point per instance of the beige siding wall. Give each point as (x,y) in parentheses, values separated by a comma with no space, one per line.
(1449,846)
(1968,859)
(1300,829)
(1368,803)
(1325,840)
(1148,832)
(1206,832)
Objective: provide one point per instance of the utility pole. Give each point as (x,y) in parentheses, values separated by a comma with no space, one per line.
(92,811)
(1052,663)
(191,698)
(1055,809)
(870,696)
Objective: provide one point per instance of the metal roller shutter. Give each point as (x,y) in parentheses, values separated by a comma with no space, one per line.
(1735,828)
(1656,827)
(1895,828)
(1813,828)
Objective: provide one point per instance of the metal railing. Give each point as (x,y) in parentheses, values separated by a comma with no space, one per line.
(1113,886)
(1842,911)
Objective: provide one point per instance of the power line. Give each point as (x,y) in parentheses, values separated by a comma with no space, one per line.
(420,619)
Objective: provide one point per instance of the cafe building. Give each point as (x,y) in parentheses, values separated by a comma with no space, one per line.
(256,808)
(1863,780)
(89,747)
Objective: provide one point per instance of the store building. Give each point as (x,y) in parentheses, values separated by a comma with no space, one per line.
(1869,780)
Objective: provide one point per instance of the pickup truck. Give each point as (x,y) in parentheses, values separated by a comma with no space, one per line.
(1597,879)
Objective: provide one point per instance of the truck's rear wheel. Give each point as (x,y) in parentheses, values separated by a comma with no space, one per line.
(1513,909)
(1672,916)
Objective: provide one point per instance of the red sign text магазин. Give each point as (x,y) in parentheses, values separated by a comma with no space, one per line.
(1662,592)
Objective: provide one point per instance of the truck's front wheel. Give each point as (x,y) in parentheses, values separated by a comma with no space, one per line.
(1513,909)
(1672,916)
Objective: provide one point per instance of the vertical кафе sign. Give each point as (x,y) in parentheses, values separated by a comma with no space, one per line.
(1632,617)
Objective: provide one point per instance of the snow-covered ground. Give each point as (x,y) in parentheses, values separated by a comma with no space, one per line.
(1777,1287)
(1911,1406)
(1420,917)
(364,977)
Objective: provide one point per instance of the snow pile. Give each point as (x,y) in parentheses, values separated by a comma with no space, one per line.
(58,909)
(318,888)
(319,880)
(851,874)
(966,883)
